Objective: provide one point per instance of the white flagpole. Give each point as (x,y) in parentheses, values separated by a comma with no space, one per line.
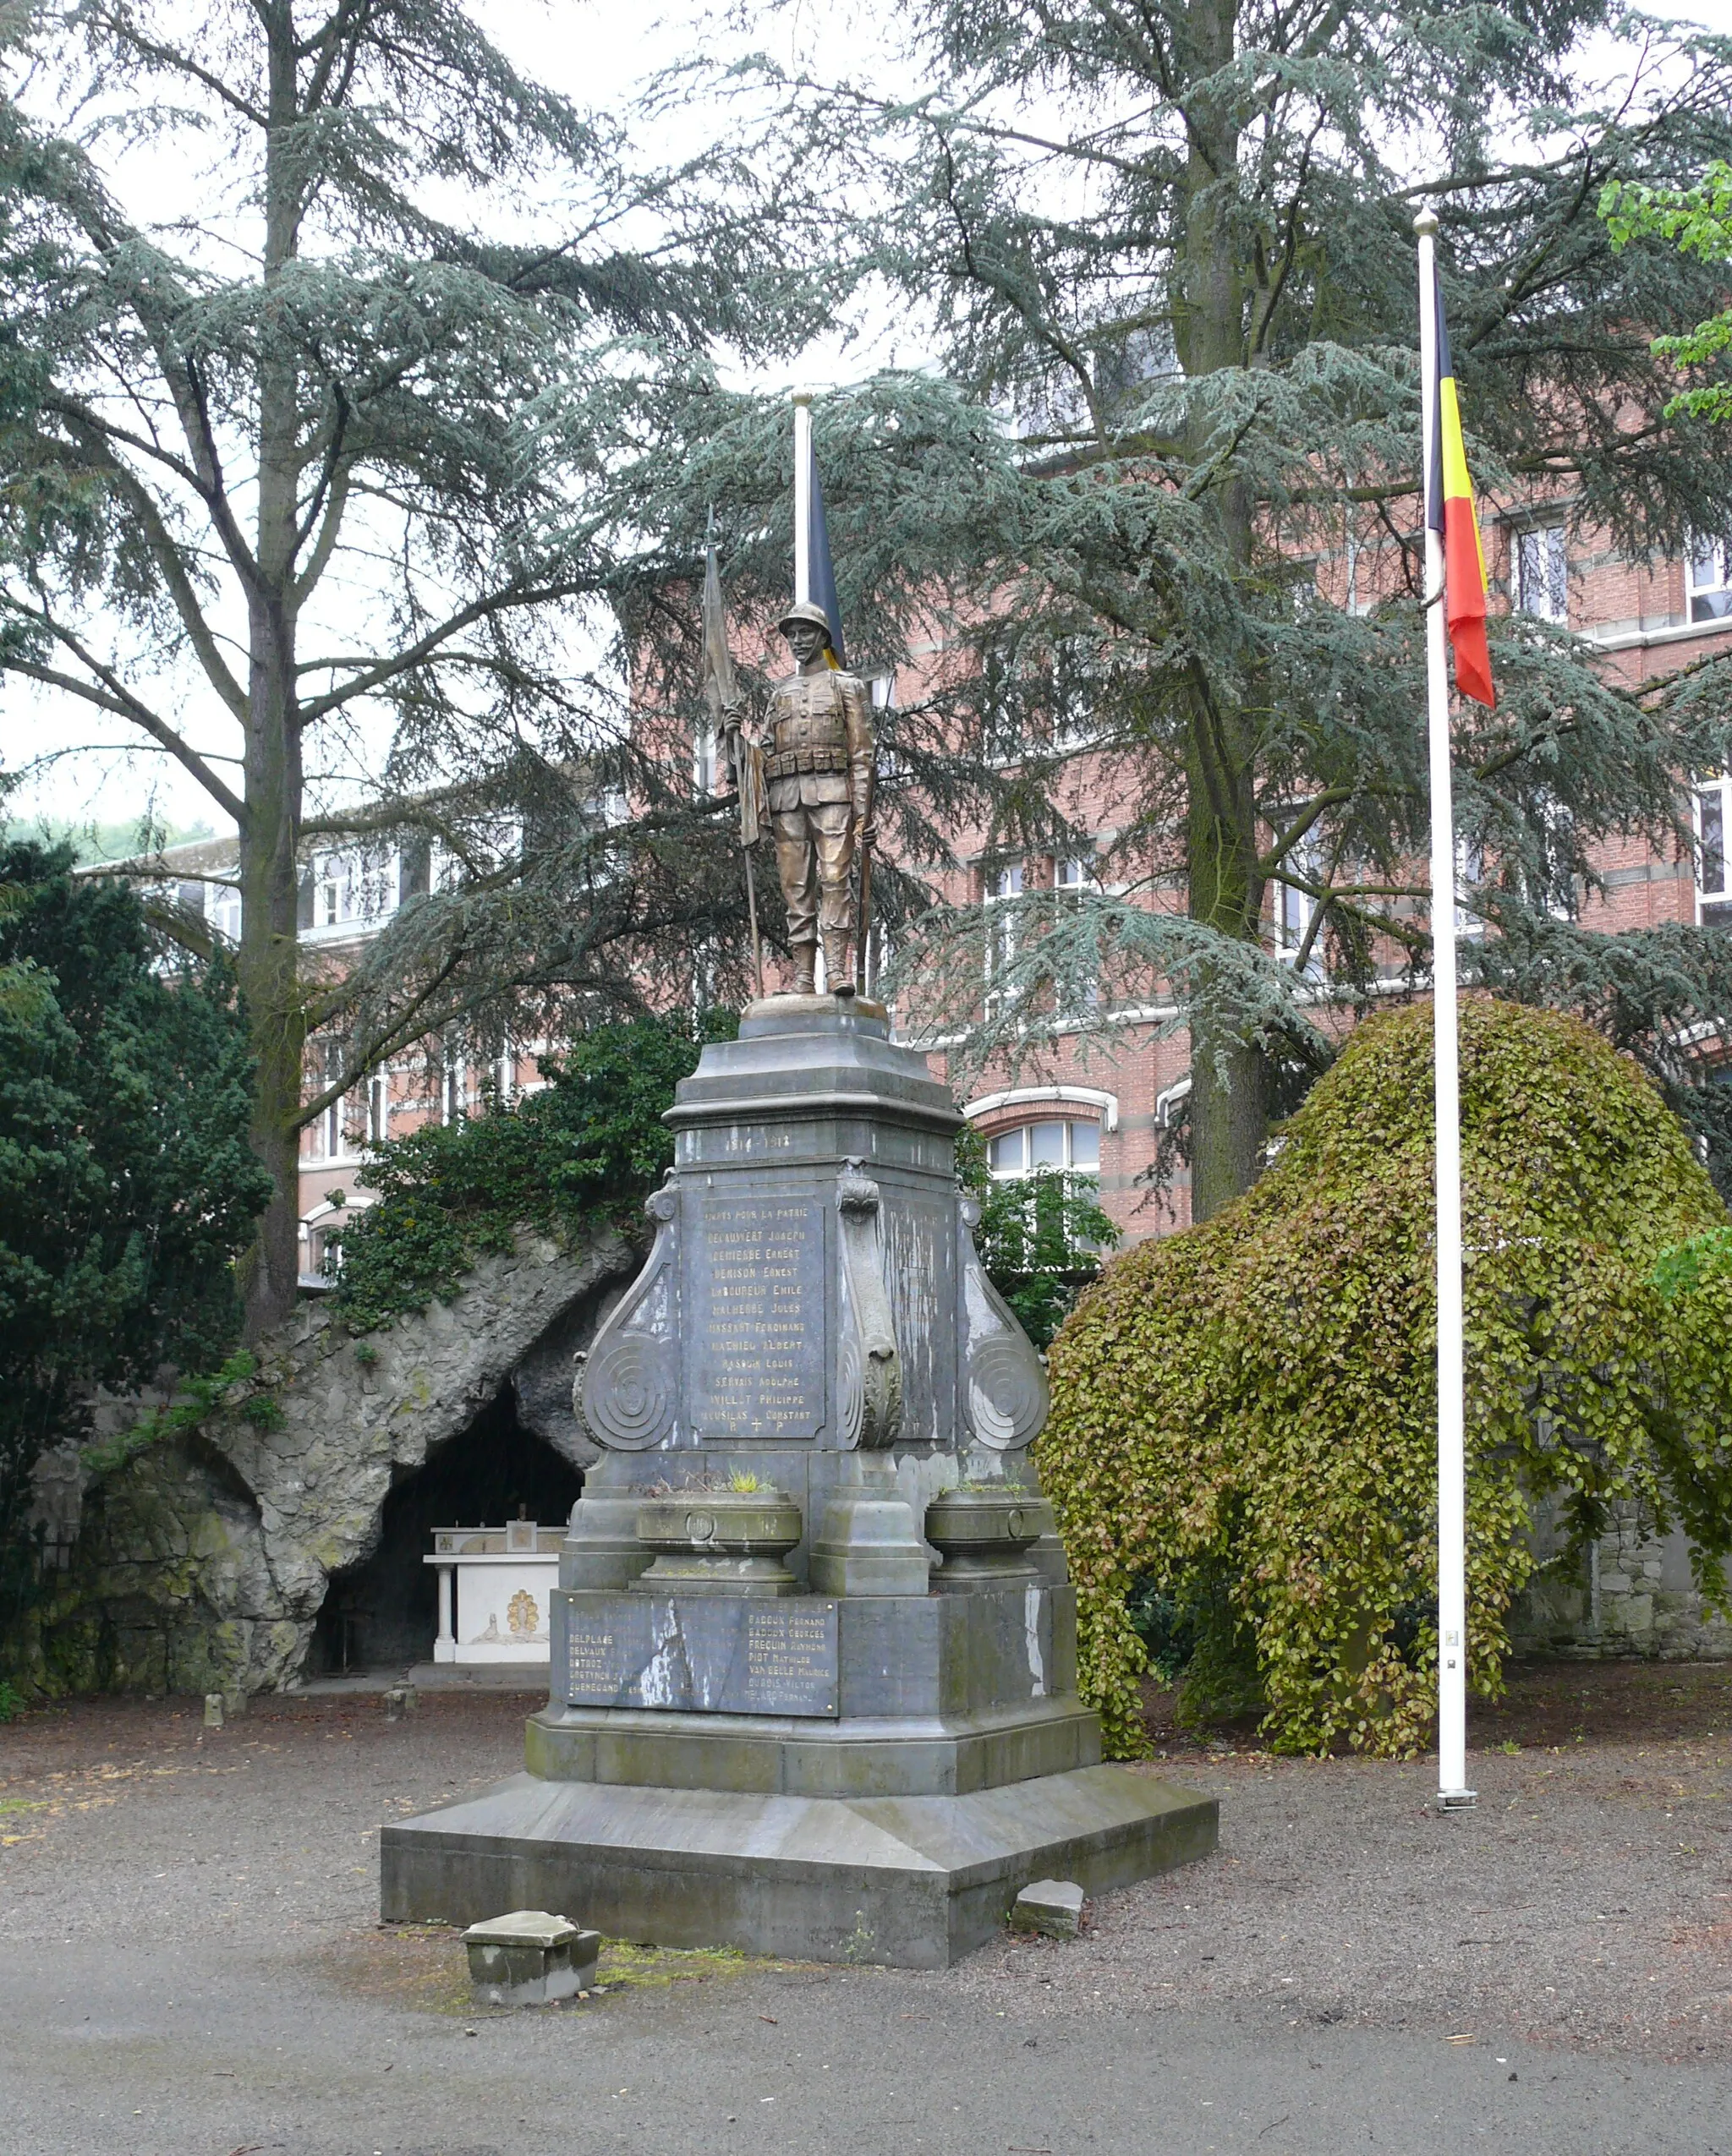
(802,496)
(1453,1794)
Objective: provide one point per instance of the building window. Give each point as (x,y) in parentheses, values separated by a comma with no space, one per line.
(222,910)
(1075,680)
(1710,578)
(351,890)
(378,1109)
(454,1088)
(1541,563)
(1361,587)
(1074,1147)
(705,760)
(1714,898)
(1470,874)
(328,1133)
(1296,909)
(1003,888)
(1079,995)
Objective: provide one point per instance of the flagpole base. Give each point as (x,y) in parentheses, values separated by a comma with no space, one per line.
(1457,1800)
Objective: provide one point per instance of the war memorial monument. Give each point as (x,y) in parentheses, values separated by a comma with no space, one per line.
(813,1647)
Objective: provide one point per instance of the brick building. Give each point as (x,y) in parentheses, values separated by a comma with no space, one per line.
(1096,1104)
(1100,1103)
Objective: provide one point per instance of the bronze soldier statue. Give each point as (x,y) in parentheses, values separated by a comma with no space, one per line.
(818,768)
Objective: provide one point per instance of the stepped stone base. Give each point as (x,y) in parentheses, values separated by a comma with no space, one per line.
(912,1882)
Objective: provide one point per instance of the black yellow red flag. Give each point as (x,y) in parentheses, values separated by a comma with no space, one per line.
(1450,513)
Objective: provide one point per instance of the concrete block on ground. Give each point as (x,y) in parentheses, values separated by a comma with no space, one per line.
(213,1710)
(400,1700)
(1053,1906)
(530,1958)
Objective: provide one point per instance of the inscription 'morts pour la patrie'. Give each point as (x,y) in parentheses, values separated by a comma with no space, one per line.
(755,1361)
(702,1653)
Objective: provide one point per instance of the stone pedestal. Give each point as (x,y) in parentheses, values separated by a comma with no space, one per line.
(797,1706)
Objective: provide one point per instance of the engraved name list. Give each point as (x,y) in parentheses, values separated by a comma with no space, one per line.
(757,1360)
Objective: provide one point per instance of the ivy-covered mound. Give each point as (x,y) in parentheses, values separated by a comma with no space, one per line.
(1244,1415)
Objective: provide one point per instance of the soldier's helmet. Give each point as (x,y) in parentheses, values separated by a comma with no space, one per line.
(806,611)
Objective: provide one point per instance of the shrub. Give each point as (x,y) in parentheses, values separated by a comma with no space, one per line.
(586,1148)
(1244,1415)
(127,1186)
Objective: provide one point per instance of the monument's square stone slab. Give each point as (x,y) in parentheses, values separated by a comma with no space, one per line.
(530,1957)
(914,1882)
(856,1758)
(1051,1906)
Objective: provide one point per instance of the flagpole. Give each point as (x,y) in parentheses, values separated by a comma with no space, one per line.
(802,496)
(1453,1794)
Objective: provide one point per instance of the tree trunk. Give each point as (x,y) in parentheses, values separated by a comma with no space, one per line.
(1229,1085)
(269,971)
(1229,1076)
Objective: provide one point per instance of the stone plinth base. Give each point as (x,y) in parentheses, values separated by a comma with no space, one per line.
(911,1882)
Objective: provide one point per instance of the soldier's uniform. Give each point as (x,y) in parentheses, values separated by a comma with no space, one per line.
(817,766)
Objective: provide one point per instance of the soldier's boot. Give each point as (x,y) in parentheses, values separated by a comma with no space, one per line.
(805,969)
(837,978)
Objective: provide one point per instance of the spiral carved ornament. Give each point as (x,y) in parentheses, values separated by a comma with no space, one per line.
(628,1391)
(1007,1394)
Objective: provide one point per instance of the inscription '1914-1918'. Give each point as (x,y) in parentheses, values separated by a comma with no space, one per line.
(756,1359)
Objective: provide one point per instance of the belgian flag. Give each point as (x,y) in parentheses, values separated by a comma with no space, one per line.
(1449,512)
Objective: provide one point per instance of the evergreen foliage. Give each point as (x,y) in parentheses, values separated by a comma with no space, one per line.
(1173,247)
(588,1148)
(1243,1431)
(127,1186)
(321,329)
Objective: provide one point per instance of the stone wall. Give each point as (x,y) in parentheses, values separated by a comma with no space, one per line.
(201,1564)
(1632,1592)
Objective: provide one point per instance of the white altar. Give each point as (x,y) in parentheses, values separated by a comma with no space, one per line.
(494,1591)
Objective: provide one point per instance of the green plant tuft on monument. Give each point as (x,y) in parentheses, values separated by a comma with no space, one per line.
(1243,1429)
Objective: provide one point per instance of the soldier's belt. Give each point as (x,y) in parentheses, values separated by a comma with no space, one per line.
(796,763)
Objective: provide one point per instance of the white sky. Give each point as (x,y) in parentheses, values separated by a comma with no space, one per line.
(597,53)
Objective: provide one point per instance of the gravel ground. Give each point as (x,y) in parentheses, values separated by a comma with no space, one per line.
(1588,1899)
(1582,1912)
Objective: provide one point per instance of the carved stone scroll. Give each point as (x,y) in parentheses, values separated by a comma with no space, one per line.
(869,1369)
(1005,1393)
(628,1397)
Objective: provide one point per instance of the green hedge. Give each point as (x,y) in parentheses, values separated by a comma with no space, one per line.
(1243,1430)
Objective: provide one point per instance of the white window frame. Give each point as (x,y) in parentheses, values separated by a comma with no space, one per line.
(1004,885)
(354,889)
(1295,910)
(1470,873)
(1707,579)
(223,910)
(1712,871)
(454,1087)
(1070,1124)
(379,1108)
(1075,873)
(1358,551)
(1539,558)
(329,1128)
(1075,664)
(706,762)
